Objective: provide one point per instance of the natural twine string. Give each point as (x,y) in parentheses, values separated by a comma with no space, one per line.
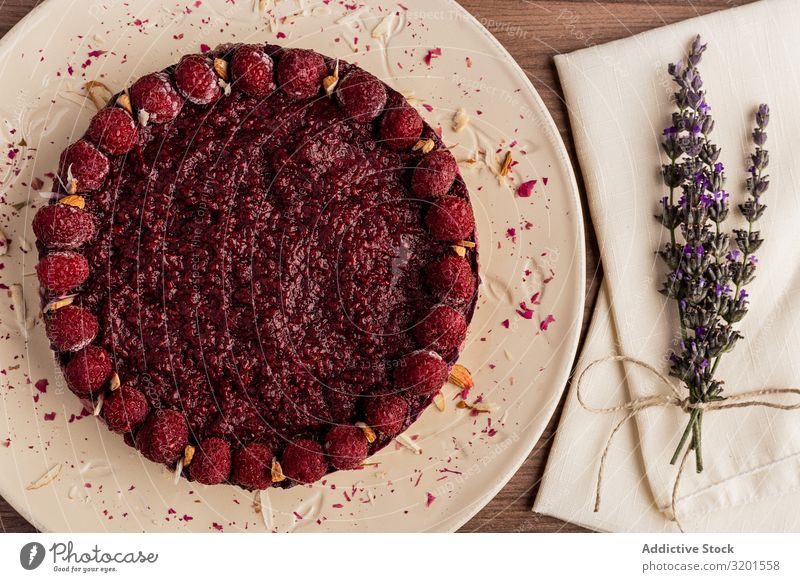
(673,398)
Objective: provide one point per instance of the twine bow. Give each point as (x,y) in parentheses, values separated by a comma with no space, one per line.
(672,398)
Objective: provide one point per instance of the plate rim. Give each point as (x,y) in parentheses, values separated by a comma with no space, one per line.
(453,525)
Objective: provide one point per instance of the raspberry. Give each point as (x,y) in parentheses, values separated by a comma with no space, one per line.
(58,226)
(444,330)
(252,71)
(346,447)
(420,373)
(401,127)
(85,164)
(155,95)
(252,466)
(387,413)
(196,80)
(113,130)
(361,96)
(163,436)
(125,409)
(62,271)
(303,461)
(300,73)
(71,328)
(212,462)
(450,218)
(451,280)
(434,175)
(88,371)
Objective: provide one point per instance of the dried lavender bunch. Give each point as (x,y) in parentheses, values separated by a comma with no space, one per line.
(706,276)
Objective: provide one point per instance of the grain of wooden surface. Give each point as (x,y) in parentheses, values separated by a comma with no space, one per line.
(532,31)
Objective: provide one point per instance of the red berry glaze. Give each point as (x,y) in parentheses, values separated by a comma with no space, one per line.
(401,127)
(196,80)
(211,464)
(88,371)
(300,73)
(303,461)
(421,373)
(252,467)
(444,330)
(58,226)
(125,409)
(346,447)
(434,175)
(361,96)
(85,164)
(252,71)
(113,130)
(71,328)
(387,414)
(295,412)
(62,271)
(450,218)
(451,280)
(163,436)
(155,95)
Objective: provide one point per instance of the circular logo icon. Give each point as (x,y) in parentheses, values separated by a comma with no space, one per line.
(31,555)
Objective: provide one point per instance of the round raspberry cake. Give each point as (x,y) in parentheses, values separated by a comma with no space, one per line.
(259,267)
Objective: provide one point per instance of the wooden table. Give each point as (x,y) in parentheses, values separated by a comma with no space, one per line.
(532,31)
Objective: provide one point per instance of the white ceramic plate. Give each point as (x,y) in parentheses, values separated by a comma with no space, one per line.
(529,245)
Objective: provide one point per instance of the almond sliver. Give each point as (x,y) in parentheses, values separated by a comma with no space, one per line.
(368,432)
(277,472)
(461,377)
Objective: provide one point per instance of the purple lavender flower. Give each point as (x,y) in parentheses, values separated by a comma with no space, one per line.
(706,276)
(721,290)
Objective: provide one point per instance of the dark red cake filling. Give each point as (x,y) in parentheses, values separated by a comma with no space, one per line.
(258,265)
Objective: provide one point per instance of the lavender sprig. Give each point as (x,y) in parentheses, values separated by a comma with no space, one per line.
(749,241)
(706,278)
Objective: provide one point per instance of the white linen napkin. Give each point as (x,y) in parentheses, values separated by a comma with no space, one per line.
(618,97)
(568,486)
